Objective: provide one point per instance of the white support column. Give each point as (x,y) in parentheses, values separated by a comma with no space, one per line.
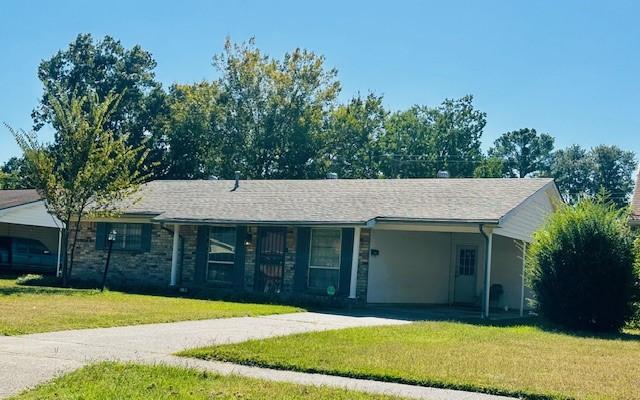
(524,254)
(174,255)
(58,264)
(354,263)
(487,274)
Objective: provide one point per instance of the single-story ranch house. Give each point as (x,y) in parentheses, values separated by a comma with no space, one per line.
(402,241)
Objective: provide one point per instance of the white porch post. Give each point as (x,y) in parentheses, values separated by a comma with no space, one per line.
(487,274)
(58,271)
(354,263)
(174,255)
(524,254)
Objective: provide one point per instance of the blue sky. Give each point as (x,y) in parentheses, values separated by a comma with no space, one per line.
(569,68)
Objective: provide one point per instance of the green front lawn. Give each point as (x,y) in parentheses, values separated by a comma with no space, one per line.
(133,382)
(513,360)
(30,309)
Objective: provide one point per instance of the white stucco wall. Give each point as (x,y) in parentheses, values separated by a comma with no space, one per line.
(419,267)
(412,267)
(506,269)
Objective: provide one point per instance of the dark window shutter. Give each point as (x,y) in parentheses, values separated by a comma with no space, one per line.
(201,254)
(146,237)
(238,267)
(302,259)
(345,260)
(101,235)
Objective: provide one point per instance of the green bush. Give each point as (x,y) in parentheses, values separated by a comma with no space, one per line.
(37,280)
(581,266)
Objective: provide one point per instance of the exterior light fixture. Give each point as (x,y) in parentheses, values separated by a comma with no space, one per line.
(111,237)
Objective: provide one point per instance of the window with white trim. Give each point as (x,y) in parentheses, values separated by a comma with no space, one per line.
(222,254)
(128,236)
(324,259)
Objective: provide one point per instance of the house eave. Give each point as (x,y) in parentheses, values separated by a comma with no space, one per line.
(219,221)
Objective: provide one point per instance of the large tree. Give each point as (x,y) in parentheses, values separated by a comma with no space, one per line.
(273,111)
(15,174)
(581,173)
(524,152)
(350,146)
(613,172)
(88,170)
(191,131)
(421,141)
(572,169)
(101,67)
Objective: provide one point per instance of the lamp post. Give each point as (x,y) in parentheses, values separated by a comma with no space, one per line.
(111,237)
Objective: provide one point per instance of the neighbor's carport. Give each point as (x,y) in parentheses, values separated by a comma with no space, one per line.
(23,214)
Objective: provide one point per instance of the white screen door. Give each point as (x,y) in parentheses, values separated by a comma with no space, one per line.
(466,267)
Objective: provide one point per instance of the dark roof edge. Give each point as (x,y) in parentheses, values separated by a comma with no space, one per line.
(205,221)
(446,221)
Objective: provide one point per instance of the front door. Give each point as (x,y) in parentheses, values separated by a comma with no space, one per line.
(270,253)
(466,267)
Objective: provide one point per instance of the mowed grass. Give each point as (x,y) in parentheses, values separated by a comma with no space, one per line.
(138,382)
(31,309)
(524,361)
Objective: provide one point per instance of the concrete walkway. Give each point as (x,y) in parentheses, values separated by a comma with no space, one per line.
(28,360)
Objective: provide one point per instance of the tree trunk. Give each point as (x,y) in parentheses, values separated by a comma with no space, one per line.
(73,246)
(65,241)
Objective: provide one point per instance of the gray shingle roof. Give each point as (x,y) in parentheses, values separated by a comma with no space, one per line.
(12,198)
(340,201)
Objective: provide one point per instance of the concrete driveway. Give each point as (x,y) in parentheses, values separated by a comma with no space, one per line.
(28,360)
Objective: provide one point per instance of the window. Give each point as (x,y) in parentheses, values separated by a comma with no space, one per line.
(324,260)
(466,261)
(222,252)
(128,236)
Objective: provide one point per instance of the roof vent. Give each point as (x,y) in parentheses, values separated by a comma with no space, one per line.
(332,175)
(443,174)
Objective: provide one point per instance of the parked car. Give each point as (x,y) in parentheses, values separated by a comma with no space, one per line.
(26,255)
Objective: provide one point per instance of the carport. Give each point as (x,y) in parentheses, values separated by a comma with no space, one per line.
(23,214)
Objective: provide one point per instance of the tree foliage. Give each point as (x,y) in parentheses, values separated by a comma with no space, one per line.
(524,152)
(273,111)
(490,167)
(191,132)
(88,67)
(88,170)
(581,267)
(280,118)
(579,173)
(613,171)
(15,174)
(421,141)
(350,146)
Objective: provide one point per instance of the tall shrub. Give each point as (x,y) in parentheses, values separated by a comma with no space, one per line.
(581,266)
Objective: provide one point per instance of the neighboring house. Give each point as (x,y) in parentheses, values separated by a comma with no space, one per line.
(634,220)
(29,235)
(402,241)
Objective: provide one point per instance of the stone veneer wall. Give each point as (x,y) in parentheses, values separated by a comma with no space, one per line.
(152,269)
